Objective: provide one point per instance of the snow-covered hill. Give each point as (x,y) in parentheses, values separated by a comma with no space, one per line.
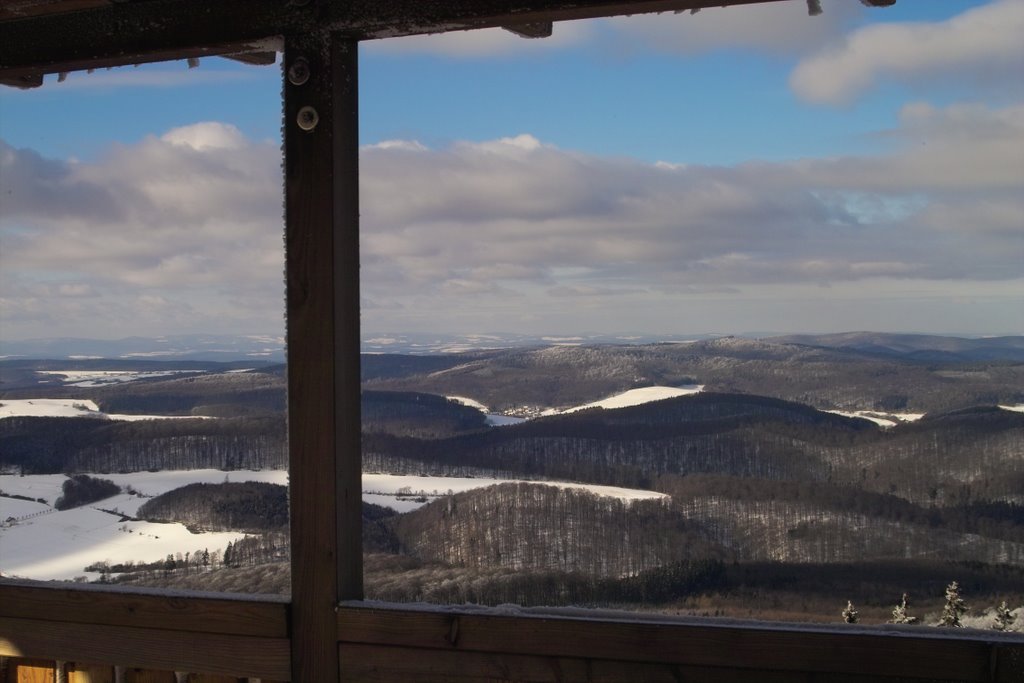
(73,407)
(633,397)
(40,542)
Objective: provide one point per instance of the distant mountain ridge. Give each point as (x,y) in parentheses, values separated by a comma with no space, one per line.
(858,372)
(917,346)
(194,347)
(527,381)
(271,348)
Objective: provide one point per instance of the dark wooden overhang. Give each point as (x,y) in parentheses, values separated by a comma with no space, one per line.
(38,37)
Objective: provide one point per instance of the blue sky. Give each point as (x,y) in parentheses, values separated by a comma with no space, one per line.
(740,169)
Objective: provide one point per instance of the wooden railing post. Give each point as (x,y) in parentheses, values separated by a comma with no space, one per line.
(322,270)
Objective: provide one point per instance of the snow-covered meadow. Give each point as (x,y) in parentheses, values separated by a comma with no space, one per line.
(408,492)
(625,399)
(102,378)
(40,542)
(882,419)
(636,397)
(74,407)
(58,545)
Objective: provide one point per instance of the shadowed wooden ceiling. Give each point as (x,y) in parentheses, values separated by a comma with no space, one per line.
(39,37)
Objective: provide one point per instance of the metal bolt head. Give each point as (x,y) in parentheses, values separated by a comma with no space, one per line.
(298,73)
(307,118)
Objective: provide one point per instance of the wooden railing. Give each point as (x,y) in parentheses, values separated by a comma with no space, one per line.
(213,638)
(42,671)
(202,633)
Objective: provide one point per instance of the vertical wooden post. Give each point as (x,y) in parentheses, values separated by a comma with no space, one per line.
(321,150)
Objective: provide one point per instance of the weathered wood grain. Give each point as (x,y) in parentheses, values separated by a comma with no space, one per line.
(79,672)
(146,648)
(148,676)
(322,271)
(227,615)
(380,664)
(30,671)
(122,33)
(797,651)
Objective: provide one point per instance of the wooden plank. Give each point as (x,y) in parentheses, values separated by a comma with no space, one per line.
(31,671)
(146,648)
(148,676)
(322,271)
(14,9)
(379,664)
(768,648)
(78,672)
(136,32)
(146,609)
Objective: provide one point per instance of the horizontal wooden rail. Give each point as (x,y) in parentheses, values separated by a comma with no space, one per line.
(392,643)
(19,670)
(150,629)
(114,606)
(384,642)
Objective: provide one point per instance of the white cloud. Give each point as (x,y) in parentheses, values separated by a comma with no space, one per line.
(519,215)
(183,231)
(982,45)
(206,136)
(179,232)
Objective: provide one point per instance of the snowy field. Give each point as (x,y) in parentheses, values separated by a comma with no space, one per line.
(407,492)
(59,545)
(636,397)
(74,407)
(1019,408)
(45,486)
(633,397)
(493,419)
(102,378)
(40,542)
(880,418)
(44,543)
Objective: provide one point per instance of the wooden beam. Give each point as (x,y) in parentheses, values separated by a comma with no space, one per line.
(322,270)
(380,664)
(110,606)
(146,648)
(253,58)
(911,653)
(538,29)
(155,30)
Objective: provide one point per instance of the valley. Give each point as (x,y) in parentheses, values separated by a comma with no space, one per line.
(696,477)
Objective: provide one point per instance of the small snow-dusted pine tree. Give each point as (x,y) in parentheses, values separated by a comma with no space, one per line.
(850,613)
(1004,618)
(954,607)
(899,612)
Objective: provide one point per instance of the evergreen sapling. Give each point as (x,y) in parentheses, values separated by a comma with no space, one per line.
(850,613)
(899,612)
(954,607)
(1004,618)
